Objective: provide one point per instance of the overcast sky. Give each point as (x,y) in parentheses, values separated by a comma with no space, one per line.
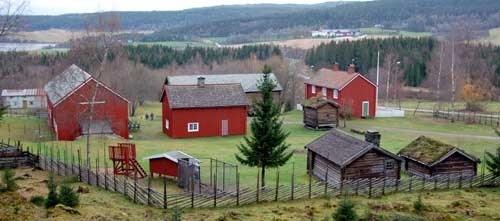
(54,7)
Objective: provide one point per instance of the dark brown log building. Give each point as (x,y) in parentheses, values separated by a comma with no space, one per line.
(337,156)
(427,157)
(320,112)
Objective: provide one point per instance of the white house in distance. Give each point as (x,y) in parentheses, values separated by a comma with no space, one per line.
(335,33)
(24,98)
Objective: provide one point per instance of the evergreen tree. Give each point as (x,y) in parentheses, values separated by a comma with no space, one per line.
(68,196)
(493,160)
(8,180)
(3,111)
(345,211)
(265,147)
(52,199)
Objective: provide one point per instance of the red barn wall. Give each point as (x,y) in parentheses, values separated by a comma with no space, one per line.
(70,111)
(163,166)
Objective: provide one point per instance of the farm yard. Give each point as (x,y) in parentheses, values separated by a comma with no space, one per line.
(149,140)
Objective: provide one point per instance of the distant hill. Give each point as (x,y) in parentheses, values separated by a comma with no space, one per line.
(277,19)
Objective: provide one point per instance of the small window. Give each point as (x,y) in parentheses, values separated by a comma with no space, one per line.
(31,102)
(335,94)
(323,91)
(167,124)
(389,165)
(193,127)
(313,89)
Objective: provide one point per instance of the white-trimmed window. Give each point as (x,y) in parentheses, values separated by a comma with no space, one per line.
(323,91)
(313,89)
(167,124)
(193,127)
(335,94)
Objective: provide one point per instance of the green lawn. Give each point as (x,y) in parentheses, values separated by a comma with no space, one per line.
(391,32)
(396,133)
(490,107)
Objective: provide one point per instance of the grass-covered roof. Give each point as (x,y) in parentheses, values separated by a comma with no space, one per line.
(426,150)
(318,101)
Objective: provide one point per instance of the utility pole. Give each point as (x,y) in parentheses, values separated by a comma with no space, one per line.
(378,74)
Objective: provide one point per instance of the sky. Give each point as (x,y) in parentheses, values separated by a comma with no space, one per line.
(55,7)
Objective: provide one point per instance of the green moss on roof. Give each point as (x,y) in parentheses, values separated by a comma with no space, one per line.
(426,150)
(317,101)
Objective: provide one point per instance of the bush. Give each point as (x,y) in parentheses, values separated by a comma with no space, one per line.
(419,205)
(8,180)
(67,196)
(345,211)
(176,214)
(52,199)
(37,200)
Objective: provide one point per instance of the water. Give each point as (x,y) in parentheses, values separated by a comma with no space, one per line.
(24,46)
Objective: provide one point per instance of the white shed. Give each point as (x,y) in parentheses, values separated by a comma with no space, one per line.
(24,98)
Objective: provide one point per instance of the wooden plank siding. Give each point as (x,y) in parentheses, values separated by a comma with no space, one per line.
(455,164)
(319,166)
(416,168)
(372,165)
(324,116)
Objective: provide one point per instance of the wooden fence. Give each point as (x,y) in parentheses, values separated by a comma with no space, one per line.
(468,117)
(140,191)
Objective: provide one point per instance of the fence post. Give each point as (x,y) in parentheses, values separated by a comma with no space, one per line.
(237,188)
(79,166)
(215,189)
(211,173)
(326,182)
(135,186)
(164,192)
(423,183)
(448,182)
(410,184)
(460,180)
(125,182)
(65,162)
(369,188)
(383,186)
(357,187)
(149,191)
(435,183)
(192,190)
(310,185)
(97,171)
(258,186)
(223,176)
(105,174)
(277,184)
(293,181)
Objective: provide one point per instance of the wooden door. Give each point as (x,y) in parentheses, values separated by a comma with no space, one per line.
(225,127)
(25,104)
(365,109)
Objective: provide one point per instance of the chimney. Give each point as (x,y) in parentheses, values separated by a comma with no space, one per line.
(201,81)
(373,136)
(351,69)
(336,66)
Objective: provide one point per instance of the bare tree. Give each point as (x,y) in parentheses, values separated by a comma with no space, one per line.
(10,15)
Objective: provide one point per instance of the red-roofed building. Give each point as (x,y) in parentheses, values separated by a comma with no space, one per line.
(348,88)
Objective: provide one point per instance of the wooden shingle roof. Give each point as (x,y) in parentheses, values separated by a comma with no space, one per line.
(66,82)
(342,149)
(210,95)
(430,152)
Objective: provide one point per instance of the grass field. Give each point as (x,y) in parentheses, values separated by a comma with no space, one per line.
(396,133)
(493,37)
(490,107)
(390,32)
(179,44)
(98,204)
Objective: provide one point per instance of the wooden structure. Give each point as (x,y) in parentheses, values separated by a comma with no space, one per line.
(124,162)
(204,110)
(24,98)
(354,92)
(167,164)
(14,157)
(319,112)
(427,157)
(337,156)
(70,97)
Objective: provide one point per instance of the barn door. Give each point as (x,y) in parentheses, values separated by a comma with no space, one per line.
(365,109)
(225,128)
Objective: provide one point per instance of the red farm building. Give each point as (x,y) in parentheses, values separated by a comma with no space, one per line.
(70,96)
(204,110)
(167,164)
(350,89)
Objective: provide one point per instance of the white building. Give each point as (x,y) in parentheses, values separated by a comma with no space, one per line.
(24,99)
(335,33)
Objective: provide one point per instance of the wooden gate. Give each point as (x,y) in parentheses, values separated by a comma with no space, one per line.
(225,128)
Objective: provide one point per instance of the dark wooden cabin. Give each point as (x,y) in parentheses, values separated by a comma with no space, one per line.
(337,156)
(427,157)
(320,112)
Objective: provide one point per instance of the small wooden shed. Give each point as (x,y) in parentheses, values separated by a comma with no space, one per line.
(337,156)
(167,164)
(427,157)
(320,112)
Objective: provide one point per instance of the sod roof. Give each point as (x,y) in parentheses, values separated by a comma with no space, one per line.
(319,101)
(429,151)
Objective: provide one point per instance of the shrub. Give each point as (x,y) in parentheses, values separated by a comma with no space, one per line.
(345,211)
(52,199)
(419,205)
(176,214)
(8,180)
(67,196)
(37,200)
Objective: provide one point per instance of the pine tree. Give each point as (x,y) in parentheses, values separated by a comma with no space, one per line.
(68,196)
(493,160)
(265,147)
(345,211)
(52,199)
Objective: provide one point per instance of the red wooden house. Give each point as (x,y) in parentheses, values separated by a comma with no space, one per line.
(70,96)
(204,110)
(350,89)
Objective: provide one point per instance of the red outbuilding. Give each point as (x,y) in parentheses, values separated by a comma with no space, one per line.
(204,110)
(167,164)
(70,96)
(353,91)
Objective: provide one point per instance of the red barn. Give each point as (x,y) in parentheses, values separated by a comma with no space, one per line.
(348,88)
(167,164)
(204,110)
(69,99)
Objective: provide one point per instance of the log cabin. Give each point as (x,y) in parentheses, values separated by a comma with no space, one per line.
(337,156)
(320,113)
(426,157)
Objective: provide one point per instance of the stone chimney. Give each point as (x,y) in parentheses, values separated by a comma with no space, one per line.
(373,136)
(201,81)
(336,67)
(351,69)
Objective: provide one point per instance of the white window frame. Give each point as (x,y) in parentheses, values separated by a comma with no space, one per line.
(167,124)
(323,91)
(335,94)
(193,127)
(313,89)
